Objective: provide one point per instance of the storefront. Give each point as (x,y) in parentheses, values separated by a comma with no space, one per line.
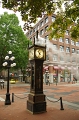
(54,73)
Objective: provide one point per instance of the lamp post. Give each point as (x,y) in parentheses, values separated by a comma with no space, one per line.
(8,63)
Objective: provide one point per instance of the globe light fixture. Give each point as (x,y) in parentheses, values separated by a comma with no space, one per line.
(8,63)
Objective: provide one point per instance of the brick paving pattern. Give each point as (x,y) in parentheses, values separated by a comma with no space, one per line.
(18,109)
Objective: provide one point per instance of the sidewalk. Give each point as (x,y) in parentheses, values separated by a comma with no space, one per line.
(18,109)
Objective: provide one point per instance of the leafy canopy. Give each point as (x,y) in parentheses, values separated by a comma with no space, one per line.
(12,38)
(32,9)
(67,19)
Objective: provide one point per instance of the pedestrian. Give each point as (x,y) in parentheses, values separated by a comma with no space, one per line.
(49,82)
(68,79)
(76,80)
(73,81)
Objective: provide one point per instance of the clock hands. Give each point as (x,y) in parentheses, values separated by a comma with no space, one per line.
(39,53)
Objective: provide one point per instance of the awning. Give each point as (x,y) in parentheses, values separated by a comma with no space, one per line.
(62,68)
(56,67)
(46,67)
(75,68)
(69,68)
(54,75)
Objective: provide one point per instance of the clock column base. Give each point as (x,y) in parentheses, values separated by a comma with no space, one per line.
(36,103)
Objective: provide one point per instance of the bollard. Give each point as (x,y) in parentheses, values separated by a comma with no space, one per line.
(56,82)
(61,104)
(12,97)
(3,85)
(49,83)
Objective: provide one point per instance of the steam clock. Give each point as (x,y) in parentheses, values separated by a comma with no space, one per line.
(36,100)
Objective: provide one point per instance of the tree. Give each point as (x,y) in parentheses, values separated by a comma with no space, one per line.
(13,38)
(67,19)
(32,9)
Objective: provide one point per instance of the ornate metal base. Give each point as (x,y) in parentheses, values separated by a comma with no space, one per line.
(7,100)
(36,103)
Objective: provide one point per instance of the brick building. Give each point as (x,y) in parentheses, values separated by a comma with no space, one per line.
(62,55)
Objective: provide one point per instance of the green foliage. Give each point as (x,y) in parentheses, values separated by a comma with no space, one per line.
(67,20)
(32,9)
(12,38)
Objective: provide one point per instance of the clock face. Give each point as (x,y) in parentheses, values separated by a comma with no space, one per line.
(31,54)
(39,53)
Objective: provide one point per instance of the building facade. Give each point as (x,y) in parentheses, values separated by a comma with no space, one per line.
(62,55)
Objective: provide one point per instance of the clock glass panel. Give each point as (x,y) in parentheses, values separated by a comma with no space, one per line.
(31,53)
(39,53)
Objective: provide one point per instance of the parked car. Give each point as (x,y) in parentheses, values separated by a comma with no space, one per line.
(12,81)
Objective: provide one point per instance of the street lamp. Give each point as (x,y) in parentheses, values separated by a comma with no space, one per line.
(9,62)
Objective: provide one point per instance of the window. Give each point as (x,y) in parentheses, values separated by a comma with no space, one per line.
(55,57)
(72,42)
(54,39)
(73,59)
(77,51)
(47,57)
(46,19)
(53,18)
(46,37)
(67,40)
(46,28)
(77,60)
(77,43)
(61,48)
(31,32)
(41,24)
(37,27)
(61,39)
(55,46)
(27,35)
(31,38)
(67,49)
(34,36)
(73,50)
(34,30)
(67,32)
(68,59)
(41,32)
(61,58)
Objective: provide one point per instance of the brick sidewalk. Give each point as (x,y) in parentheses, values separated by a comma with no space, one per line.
(17,110)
